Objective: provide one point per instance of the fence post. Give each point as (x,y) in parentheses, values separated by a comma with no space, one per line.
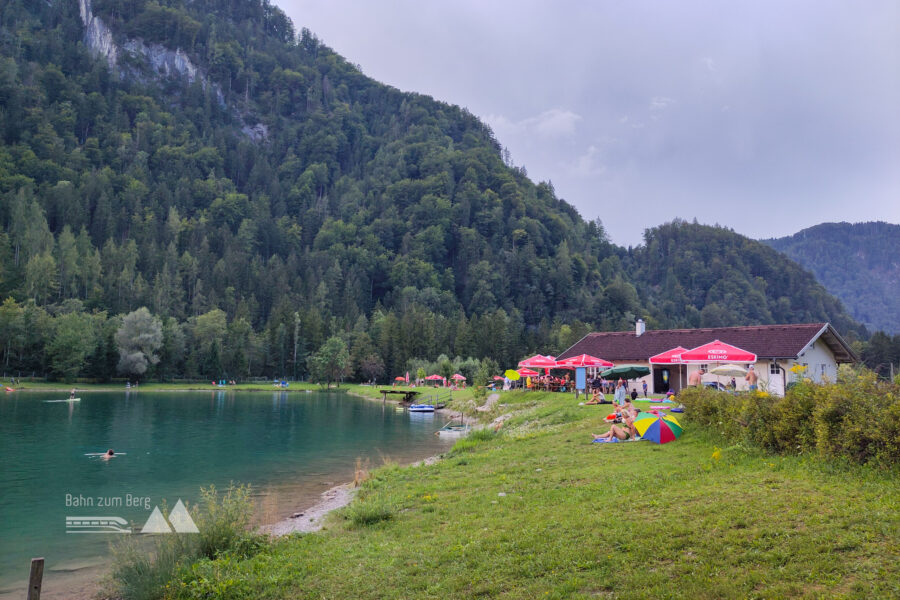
(34,581)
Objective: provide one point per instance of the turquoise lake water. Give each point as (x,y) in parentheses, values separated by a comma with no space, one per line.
(290,446)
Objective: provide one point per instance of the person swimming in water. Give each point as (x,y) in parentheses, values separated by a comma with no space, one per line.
(108,454)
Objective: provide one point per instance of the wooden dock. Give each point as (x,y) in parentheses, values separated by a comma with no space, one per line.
(409,396)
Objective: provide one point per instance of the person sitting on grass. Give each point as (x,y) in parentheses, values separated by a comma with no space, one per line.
(627,410)
(598,398)
(622,433)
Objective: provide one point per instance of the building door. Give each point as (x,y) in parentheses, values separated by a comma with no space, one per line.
(776,379)
(662,380)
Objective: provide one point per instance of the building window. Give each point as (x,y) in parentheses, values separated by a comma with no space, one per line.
(705,367)
(774,369)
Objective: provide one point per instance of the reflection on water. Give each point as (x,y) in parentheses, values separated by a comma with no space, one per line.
(290,446)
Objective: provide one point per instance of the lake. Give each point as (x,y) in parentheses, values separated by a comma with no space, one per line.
(289,446)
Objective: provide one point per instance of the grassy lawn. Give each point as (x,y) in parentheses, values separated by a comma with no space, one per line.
(537,511)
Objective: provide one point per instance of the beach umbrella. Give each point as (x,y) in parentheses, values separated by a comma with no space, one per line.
(399,379)
(512,375)
(539,361)
(659,428)
(669,357)
(434,378)
(527,372)
(583,360)
(626,372)
(729,371)
(499,378)
(717,351)
(458,377)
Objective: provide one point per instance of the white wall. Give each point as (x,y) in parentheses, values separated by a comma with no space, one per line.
(820,362)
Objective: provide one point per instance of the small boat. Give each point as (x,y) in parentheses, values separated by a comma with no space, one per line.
(421,408)
(455,430)
(66,400)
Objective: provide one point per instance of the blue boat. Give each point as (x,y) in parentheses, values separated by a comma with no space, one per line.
(421,408)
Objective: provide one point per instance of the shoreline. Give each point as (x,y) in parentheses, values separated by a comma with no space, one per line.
(85,581)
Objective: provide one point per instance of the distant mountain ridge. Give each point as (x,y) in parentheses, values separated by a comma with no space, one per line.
(857,262)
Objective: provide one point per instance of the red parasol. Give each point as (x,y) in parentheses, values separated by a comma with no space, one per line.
(669,357)
(583,360)
(717,351)
(539,361)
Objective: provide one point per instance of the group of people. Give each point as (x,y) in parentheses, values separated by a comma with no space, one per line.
(620,394)
(696,379)
(626,413)
(608,386)
(551,383)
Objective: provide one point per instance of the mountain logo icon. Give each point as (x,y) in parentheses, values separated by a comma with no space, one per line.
(179,520)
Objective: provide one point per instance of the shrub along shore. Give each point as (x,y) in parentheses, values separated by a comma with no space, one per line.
(536,510)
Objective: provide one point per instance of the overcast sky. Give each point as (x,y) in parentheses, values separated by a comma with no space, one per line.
(766,117)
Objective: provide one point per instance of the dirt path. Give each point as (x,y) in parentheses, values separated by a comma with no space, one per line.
(489,403)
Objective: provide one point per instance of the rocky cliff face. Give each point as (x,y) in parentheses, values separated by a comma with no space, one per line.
(162,60)
(97,36)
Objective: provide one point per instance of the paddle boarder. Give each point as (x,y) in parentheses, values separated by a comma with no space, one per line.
(72,394)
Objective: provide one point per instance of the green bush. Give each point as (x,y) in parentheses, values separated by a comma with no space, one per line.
(143,565)
(856,419)
(222,523)
(368,512)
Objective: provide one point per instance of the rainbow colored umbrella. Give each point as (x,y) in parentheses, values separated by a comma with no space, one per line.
(659,428)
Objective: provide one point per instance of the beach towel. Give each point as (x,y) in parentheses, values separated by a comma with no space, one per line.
(616,440)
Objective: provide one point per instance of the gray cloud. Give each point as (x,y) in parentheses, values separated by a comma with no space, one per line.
(763,116)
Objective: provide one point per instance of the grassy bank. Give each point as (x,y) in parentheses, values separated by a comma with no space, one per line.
(205,386)
(538,511)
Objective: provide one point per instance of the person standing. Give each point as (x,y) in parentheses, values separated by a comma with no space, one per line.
(696,378)
(751,378)
(620,393)
(644,385)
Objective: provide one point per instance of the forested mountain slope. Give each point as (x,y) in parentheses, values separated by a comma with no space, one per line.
(273,181)
(692,275)
(259,194)
(857,262)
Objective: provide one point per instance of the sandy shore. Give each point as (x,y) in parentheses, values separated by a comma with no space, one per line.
(312,518)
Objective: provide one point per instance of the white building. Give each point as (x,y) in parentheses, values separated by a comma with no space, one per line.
(817,346)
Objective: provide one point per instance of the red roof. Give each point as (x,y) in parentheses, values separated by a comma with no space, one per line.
(766,341)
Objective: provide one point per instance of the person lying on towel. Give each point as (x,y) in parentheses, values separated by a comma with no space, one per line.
(625,433)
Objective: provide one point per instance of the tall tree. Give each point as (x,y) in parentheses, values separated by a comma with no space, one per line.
(138,340)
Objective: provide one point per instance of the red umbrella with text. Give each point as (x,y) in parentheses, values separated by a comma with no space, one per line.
(538,361)
(717,351)
(584,360)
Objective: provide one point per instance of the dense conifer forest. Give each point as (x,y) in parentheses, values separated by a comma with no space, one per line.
(221,196)
(857,262)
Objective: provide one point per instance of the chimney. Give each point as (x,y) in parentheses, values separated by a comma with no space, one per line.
(639,328)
